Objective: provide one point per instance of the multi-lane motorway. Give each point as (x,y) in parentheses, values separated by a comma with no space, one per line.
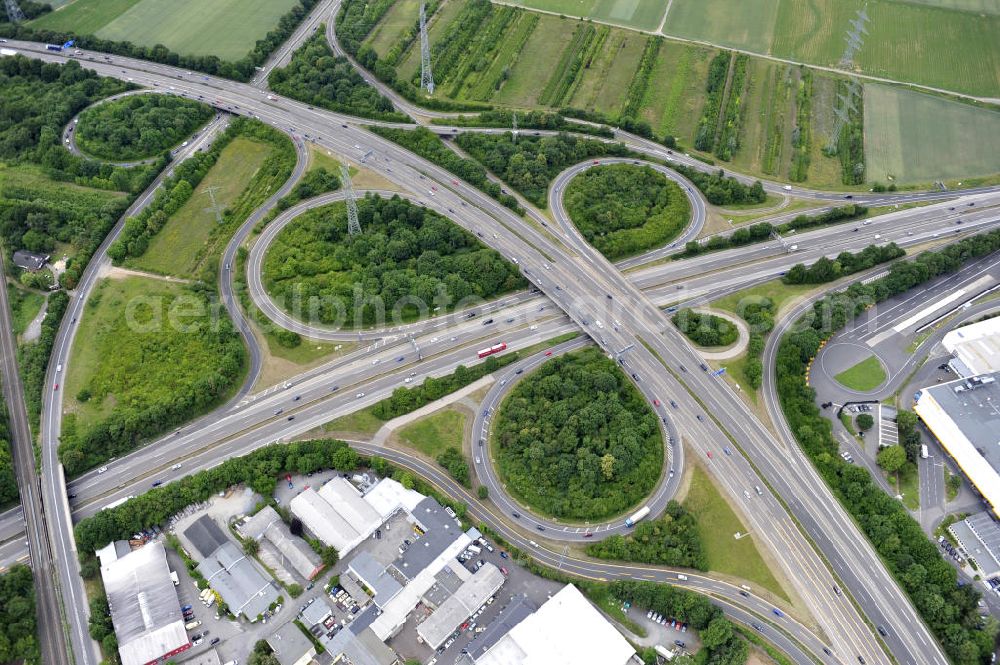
(588,289)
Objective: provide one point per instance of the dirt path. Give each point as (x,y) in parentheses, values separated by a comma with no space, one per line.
(116,272)
(382,435)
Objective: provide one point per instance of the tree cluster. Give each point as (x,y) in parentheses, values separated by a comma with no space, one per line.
(948,609)
(454,462)
(29,8)
(316,76)
(241,70)
(721,189)
(846,263)
(260,470)
(18,628)
(315,182)
(908,434)
(577,440)
(33,359)
(762,231)
(530,163)
(426,143)
(759,315)
(705,329)
(721,643)
(8,480)
(138,126)
(553,122)
(101,627)
(158,379)
(407,400)
(671,540)
(622,209)
(636,126)
(404,252)
(36,213)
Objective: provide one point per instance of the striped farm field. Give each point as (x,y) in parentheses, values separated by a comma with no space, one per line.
(917,138)
(675,95)
(639,14)
(544,46)
(603,85)
(400,16)
(974,6)
(84,17)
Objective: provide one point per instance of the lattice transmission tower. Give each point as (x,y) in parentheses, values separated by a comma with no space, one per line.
(846,103)
(14,13)
(426,76)
(353,225)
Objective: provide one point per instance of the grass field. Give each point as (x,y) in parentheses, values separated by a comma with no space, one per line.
(604,84)
(917,138)
(177,249)
(779,293)
(399,17)
(747,24)
(716,525)
(974,6)
(864,376)
(224,28)
(362,422)
(24,306)
(639,14)
(84,17)
(128,366)
(433,434)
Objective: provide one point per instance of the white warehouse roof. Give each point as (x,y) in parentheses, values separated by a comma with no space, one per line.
(340,516)
(566,630)
(964,415)
(977,346)
(144,607)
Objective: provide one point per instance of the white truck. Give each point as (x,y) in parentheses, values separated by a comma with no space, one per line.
(7,51)
(664,651)
(642,512)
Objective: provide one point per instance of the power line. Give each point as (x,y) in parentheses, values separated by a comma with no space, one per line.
(846,102)
(353,225)
(14,13)
(426,77)
(215,207)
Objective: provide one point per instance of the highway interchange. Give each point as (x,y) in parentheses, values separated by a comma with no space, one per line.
(587,289)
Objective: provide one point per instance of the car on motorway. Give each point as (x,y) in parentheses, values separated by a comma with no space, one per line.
(882,631)
(778,613)
(700,417)
(102,469)
(709,454)
(359,396)
(727,451)
(157,483)
(540,527)
(548,353)
(656,402)
(589,534)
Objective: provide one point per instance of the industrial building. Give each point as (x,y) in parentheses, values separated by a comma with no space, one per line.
(244,588)
(975,348)
(145,611)
(565,630)
(341,517)
(289,551)
(473,593)
(291,646)
(964,415)
(979,536)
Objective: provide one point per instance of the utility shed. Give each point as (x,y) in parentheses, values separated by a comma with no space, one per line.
(295,552)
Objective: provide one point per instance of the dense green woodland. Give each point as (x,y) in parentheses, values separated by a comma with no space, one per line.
(948,609)
(316,76)
(161,375)
(33,359)
(241,70)
(705,329)
(622,209)
(404,252)
(671,540)
(531,163)
(8,481)
(138,126)
(759,315)
(38,100)
(18,628)
(428,145)
(847,263)
(576,439)
(763,231)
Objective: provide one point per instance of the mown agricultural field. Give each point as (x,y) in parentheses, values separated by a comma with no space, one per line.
(224,28)
(762,117)
(639,14)
(917,138)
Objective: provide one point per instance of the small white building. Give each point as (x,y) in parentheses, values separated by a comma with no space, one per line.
(975,348)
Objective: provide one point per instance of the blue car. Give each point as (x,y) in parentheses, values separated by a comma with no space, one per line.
(777,612)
